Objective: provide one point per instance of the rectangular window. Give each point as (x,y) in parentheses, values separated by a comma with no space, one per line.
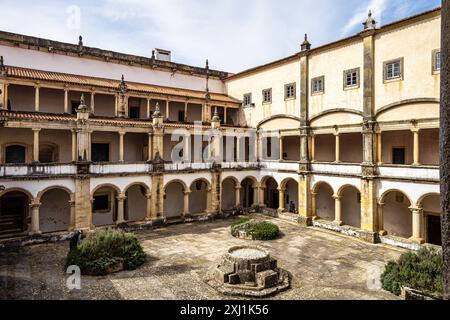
(318,85)
(351,78)
(267,96)
(393,70)
(181,117)
(289,91)
(398,156)
(247,99)
(436,61)
(101,203)
(100,152)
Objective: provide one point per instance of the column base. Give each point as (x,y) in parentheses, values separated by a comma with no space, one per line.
(305,221)
(417,240)
(382,233)
(35,233)
(338,223)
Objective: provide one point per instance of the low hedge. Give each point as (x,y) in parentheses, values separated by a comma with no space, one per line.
(258,230)
(421,271)
(106,250)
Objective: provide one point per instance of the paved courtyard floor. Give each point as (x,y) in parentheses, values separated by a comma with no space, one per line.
(324,265)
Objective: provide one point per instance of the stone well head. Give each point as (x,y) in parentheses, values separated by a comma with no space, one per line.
(249,270)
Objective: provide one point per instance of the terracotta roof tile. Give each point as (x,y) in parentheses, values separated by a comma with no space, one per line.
(23,73)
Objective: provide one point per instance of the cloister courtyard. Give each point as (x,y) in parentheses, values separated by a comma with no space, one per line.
(324,265)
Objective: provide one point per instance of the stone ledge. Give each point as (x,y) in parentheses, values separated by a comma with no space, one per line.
(416,295)
(367,236)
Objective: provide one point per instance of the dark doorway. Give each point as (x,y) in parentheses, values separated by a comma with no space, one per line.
(248,196)
(13,213)
(100,152)
(398,156)
(15,154)
(181,116)
(134,113)
(75,105)
(434,230)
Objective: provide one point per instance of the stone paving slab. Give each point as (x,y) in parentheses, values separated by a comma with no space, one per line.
(324,266)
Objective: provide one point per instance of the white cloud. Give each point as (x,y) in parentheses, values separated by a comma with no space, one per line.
(376,6)
(233,34)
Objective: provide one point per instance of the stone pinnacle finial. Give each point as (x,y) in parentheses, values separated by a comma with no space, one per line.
(2,67)
(370,23)
(153,55)
(216,117)
(207,64)
(82,106)
(123,85)
(305,45)
(157,113)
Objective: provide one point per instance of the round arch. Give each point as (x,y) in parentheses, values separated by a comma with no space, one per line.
(350,201)
(387,192)
(14,210)
(290,187)
(230,193)
(43,192)
(420,201)
(432,228)
(133,184)
(252,178)
(318,184)
(55,209)
(396,216)
(325,205)
(199,196)
(104,186)
(181,182)
(271,192)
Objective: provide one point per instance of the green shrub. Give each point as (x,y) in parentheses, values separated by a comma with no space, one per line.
(420,271)
(104,250)
(258,230)
(265,231)
(241,220)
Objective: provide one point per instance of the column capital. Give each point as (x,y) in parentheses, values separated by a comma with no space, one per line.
(35,205)
(36,129)
(337,197)
(188,192)
(416,210)
(281,189)
(121,197)
(122,133)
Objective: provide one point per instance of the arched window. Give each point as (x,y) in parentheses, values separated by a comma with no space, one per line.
(48,153)
(15,154)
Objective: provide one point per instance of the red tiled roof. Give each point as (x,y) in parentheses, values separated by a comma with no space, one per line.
(32,74)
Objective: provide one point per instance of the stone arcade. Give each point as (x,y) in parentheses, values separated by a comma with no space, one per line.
(347,132)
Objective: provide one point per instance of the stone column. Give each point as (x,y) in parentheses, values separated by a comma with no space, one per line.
(148,216)
(186,111)
(338,213)
(121,153)
(157,197)
(167,109)
(238,148)
(34,227)
(281,148)
(149,113)
(225,115)
(36,99)
(149,152)
(186,203)
(83,203)
(209,205)
(238,196)
(121,208)
(281,206)
(74,145)
(417,225)
(93,102)
(259,195)
(314,205)
(66,101)
(416,147)
(379,148)
(380,226)
(338,147)
(36,144)
(72,215)
(3,96)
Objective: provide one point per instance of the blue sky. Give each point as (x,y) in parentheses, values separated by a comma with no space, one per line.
(233,34)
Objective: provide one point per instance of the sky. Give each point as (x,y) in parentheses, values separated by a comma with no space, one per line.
(233,34)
